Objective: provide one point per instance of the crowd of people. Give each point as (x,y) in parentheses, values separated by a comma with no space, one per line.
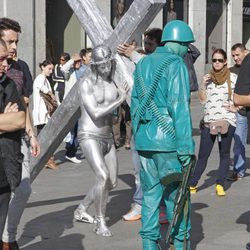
(156,131)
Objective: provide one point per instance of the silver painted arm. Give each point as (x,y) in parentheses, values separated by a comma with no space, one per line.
(95,110)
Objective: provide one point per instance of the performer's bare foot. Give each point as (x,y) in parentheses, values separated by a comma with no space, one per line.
(101,228)
(80,214)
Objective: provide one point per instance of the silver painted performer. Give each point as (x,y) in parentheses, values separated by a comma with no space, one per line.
(98,99)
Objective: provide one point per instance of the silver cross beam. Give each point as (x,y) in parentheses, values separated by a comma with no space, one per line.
(134,22)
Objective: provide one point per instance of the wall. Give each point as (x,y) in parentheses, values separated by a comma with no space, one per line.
(197,21)
(58,16)
(27,13)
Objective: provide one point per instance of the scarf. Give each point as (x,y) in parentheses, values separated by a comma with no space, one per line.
(220,77)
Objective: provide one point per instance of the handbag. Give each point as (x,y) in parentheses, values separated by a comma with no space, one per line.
(219,127)
(50,103)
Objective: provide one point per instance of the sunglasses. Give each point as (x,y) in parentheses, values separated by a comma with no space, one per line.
(61,59)
(218,60)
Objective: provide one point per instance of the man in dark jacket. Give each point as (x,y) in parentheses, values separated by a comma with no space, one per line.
(189,58)
(9,32)
(12,120)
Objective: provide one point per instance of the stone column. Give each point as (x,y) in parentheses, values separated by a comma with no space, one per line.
(197,21)
(234,25)
(39,49)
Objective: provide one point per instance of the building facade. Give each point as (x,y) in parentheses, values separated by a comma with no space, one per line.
(49,27)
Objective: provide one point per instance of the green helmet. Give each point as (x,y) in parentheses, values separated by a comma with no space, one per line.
(177,31)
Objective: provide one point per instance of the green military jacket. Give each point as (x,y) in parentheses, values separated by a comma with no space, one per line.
(162,122)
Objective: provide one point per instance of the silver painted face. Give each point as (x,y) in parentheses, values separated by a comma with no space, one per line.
(104,69)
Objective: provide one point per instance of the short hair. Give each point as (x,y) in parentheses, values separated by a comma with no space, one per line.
(9,24)
(238,46)
(220,51)
(45,63)
(154,33)
(83,52)
(65,55)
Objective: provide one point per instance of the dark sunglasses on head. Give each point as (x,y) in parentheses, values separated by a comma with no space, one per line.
(218,60)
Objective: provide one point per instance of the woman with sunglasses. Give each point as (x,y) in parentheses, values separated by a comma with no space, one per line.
(58,77)
(219,119)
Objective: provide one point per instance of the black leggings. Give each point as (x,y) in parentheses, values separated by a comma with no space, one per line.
(206,145)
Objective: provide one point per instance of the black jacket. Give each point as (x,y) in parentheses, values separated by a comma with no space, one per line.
(189,59)
(10,143)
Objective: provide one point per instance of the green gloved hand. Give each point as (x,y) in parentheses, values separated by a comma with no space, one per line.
(185,159)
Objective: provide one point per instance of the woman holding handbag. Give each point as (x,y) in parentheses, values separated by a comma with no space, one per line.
(215,94)
(42,92)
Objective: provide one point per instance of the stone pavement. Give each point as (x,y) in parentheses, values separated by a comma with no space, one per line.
(48,224)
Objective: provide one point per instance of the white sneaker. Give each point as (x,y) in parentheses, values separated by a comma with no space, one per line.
(134,214)
(73,159)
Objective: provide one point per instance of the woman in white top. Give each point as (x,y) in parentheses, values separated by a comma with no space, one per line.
(40,113)
(41,83)
(216,95)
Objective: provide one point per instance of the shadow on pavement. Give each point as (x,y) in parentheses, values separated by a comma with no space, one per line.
(244,219)
(208,181)
(196,132)
(68,242)
(48,226)
(197,234)
(55,201)
(119,204)
(129,179)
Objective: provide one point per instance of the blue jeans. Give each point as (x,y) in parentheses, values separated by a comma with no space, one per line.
(72,144)
(240,141)
(137,167)
(19,198)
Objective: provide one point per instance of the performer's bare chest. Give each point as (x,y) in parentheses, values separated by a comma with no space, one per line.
(105,92)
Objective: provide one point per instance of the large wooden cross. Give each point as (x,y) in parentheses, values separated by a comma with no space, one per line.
(138,17)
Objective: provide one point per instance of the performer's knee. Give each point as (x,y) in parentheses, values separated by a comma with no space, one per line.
(102,178)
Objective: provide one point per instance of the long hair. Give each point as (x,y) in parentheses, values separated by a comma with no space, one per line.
(117,14)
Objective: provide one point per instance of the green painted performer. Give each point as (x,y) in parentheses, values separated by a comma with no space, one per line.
(163,132)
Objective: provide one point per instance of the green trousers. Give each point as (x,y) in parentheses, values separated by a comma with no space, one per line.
(155,166)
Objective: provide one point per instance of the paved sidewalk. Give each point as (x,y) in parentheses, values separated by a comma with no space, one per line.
(48,224)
